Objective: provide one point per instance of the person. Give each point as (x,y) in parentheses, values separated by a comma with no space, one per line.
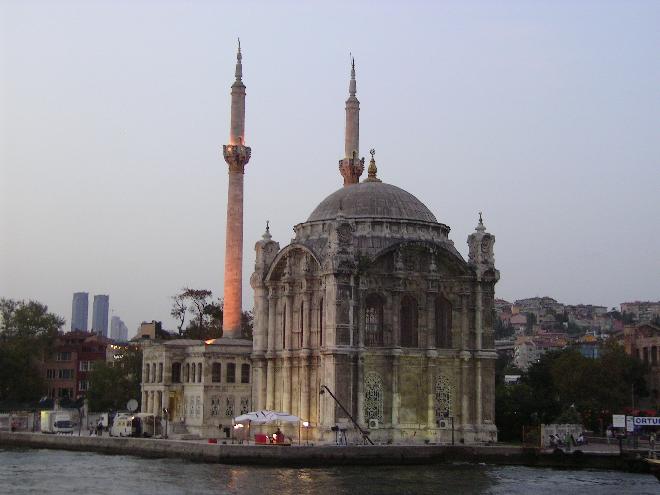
(278,436)
(99,429)
(652,444)
(580,439)
(608,434)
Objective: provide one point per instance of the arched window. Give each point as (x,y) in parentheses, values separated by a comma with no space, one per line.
(147,368)
(160,372)
(153,373)
(245,373)
(176,372)
(284,328)
(321,323)
(373,397)
(193,373)
(199,372)
(373,334)
(443,323)
(408,322)
(216,372)
(186,376)
(231,372)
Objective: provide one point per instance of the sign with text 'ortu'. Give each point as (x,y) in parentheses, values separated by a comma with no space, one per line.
(650,421)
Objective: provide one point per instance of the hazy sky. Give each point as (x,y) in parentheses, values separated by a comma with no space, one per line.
(543,115)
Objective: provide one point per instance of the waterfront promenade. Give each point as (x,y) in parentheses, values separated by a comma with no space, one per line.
(592,457)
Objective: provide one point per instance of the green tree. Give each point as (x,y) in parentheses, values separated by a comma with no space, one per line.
(27,332)
(112,385)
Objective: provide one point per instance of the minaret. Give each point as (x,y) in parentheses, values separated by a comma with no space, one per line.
(236,155)
(351,167)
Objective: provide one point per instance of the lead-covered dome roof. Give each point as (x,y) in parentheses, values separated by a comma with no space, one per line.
(372,200)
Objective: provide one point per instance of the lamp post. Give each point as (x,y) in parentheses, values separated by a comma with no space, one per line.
(166,413)
(306,426)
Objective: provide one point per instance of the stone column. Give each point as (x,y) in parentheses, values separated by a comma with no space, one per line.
(270,384)
(289,319)
(430,390)
(395,390)
(360,389)
(305,388)
(272,319)
(465,404)
(478,395)
(478,315)
(430,320)
(307,327)
(286,395)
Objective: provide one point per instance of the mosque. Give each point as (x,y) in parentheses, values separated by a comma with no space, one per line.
(369,318)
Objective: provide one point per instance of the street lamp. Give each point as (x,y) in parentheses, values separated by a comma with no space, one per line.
(166,413)
(306,426)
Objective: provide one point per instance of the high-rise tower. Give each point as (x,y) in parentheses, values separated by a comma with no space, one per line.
(100,314)
(351,166)
(236,155)
(79,311)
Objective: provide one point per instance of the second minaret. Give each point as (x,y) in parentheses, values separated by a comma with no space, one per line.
(237,155)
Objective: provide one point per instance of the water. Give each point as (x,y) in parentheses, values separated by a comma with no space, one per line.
(24,471)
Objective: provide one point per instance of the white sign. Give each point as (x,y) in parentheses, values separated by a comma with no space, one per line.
(630,426)
(651,421)
(619,420)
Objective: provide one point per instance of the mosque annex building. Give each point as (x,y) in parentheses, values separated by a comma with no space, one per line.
(370,299)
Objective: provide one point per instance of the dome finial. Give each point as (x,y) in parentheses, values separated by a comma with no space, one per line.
(267,236)
(480,227)
(372,170)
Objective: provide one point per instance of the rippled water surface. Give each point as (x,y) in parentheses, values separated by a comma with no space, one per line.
(24,471)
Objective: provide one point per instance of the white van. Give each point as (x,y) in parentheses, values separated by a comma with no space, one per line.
(123,426)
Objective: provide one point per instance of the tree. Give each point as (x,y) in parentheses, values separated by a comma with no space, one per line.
(112,385)
(27,332)
(193,301)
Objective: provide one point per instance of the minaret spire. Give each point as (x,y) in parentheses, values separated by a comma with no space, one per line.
(351,167)
(237,155)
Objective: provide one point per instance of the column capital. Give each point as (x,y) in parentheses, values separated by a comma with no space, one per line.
(236,156)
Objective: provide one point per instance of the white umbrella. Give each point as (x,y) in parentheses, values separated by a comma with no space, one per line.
(265,417)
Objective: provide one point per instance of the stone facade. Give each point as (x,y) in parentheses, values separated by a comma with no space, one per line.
(204,385)
(372,300)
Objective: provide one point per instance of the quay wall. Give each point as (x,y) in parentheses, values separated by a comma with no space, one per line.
(325,455)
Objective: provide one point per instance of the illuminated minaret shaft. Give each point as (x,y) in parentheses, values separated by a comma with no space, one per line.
(236,155)
(351,167)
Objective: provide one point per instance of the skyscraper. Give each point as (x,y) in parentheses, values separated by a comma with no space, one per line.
(79,311)
(100,314)
(118,329)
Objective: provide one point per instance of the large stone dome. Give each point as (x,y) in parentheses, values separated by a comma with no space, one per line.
(372,200)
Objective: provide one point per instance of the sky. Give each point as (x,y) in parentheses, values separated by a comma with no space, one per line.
(543,115)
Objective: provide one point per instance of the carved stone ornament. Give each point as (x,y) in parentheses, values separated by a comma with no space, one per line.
(344,234)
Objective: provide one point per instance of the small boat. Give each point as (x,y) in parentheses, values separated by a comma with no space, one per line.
(654,467)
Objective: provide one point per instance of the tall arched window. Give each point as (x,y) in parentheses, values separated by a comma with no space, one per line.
(443,323)
(186,377)
(373,335)
(153,373)
(216,372)
(160,372)
(147,368)
(193,373)
(176,372)
(199,372)
(408,322)
(321,323)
